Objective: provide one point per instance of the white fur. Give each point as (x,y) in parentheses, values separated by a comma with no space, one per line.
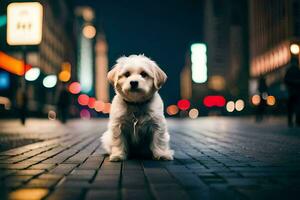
(145,106)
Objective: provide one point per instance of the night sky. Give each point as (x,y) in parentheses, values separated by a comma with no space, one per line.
(162,30)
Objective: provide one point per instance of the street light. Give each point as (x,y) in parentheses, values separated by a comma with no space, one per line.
(50,81)
(89,31)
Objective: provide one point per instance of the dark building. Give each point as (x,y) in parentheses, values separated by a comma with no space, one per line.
(225,28)
(274,35)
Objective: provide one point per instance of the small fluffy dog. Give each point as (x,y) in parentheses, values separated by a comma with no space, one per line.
(137,126)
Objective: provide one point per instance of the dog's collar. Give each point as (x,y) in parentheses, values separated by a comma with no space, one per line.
(137,103)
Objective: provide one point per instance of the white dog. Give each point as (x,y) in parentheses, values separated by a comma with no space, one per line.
(137,125)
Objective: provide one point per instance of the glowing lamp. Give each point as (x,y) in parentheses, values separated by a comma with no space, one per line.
(32,74)
(50,81)
(75,88)
(106,108)
(218,101)
(183,104)
(255,99)
(83,99)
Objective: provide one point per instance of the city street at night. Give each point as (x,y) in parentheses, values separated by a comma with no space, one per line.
(215,158)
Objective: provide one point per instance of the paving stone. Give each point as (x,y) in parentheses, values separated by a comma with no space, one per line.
(29,194)
(111,194)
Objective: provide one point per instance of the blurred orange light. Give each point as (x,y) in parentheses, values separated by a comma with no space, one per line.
(172,110)
(184,104)
(75,88)
(255,99)
(64,76)
(106,108)
(12,64)
(271,100)
(99,106)
(83,99)
(89,31)
(91,103)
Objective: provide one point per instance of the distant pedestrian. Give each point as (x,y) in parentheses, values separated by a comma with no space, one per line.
(262,88)
(21,99)
(63,103)
(292,82)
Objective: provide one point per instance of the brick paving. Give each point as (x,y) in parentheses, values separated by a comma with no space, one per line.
(215,158)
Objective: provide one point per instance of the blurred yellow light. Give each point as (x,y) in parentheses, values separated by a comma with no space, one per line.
(294,48)
(66,66)
(64,76)
(172,110)
(89,31)
(239,105)
(230,106)
(193,113)
(271,100)
(255,99)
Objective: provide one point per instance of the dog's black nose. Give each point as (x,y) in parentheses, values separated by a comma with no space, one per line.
(134,84)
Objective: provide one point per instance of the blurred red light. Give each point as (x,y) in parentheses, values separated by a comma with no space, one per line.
(83,99)
(74,88)
(91,103)
(184,104)
(99,106)
(218,101)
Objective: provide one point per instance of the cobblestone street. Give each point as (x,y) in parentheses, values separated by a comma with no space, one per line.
(215,158)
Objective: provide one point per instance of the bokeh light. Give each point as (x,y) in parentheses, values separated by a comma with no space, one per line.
(193,113)
(32,74)
(106,108)
(85,114)
(99,106)
(218,101)
(183,104)
(271,100)
(83,99)
(52,115)
(50,81)
(75,88)
(64,76)
(239,105)
(230,106)
(89,31)
(91,103)
(172,110)
(294,48)
(255,99)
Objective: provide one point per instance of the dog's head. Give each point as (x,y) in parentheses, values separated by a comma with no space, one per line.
(136,78)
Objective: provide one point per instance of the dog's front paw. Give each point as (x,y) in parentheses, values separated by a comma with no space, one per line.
(166,156)
(117,158)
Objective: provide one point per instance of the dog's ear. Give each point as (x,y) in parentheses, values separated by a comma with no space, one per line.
(159,76)
(112,75)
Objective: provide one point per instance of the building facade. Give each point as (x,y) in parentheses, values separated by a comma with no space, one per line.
(274,28)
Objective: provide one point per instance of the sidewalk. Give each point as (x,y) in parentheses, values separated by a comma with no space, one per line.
(215,158)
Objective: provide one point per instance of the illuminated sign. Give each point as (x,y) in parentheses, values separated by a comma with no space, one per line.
(24,23)
(12,64)
(199,60)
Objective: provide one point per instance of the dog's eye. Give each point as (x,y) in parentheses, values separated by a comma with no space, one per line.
(144,74)
(127,74)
